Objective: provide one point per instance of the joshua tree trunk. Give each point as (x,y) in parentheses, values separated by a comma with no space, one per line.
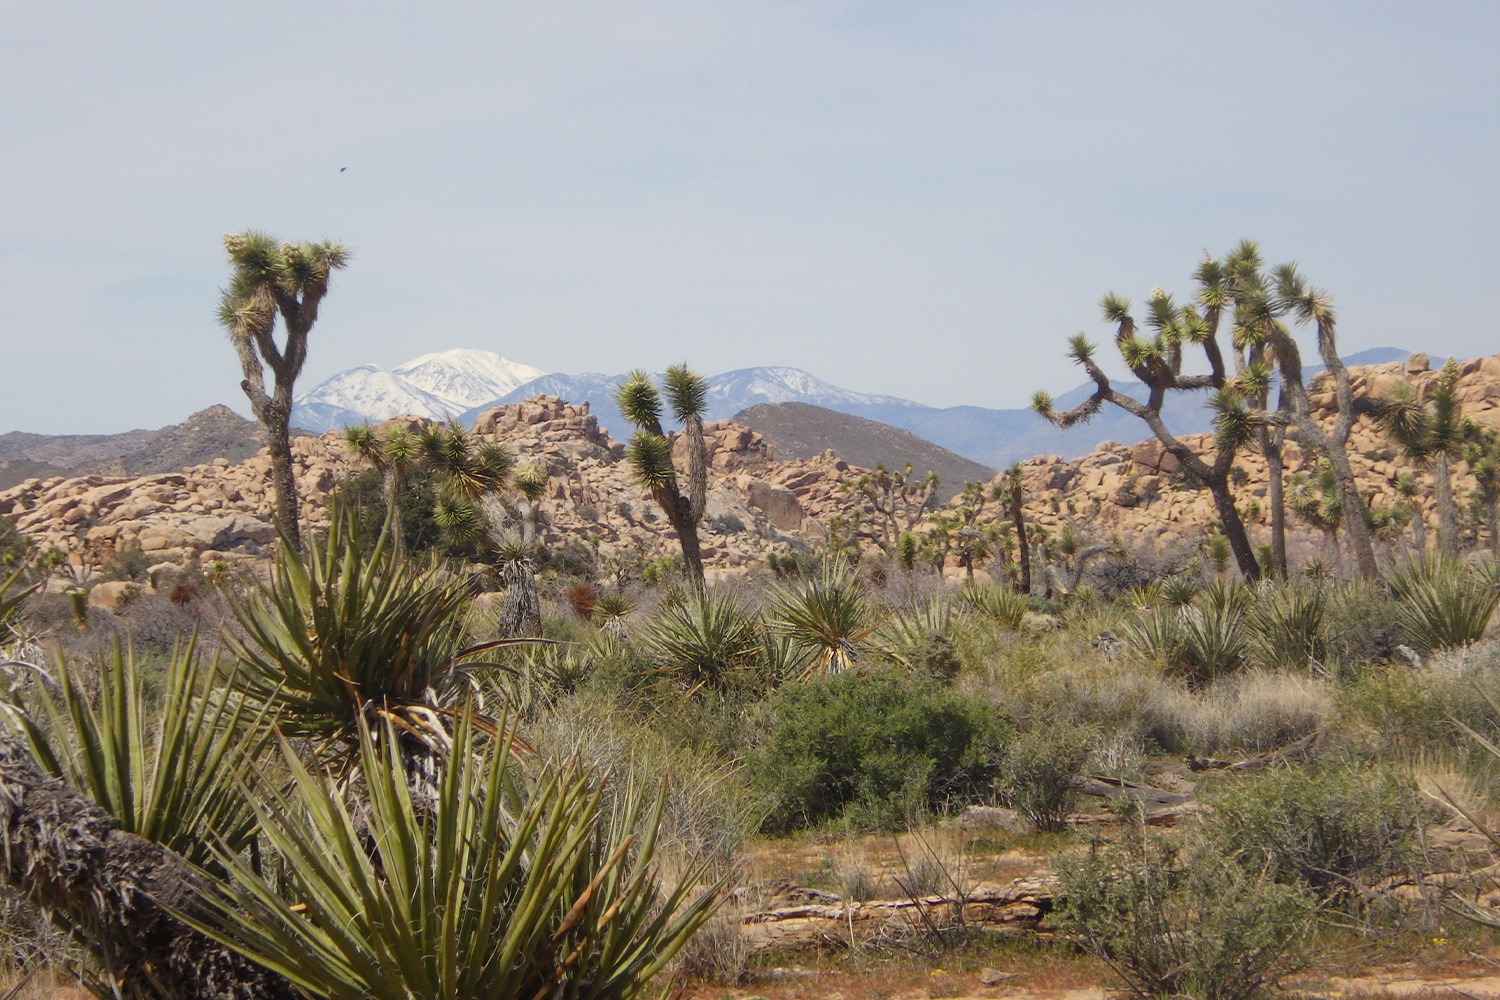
(1023,556)
(687,537)
(520,614)
(117,890)
(393,484)
(283,479)
(1418,527)
(1234,528)
(1447,510)
(1276,498)
(1334,444)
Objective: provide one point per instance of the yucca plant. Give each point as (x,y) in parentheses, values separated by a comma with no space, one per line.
(703,639)
(1287,622)
(1213,643)
(342,636)
(1179,590)
(921,638)
(1200,643)
(171,769)
(1441,603)
(1003,605)
(830,618)
(507,886)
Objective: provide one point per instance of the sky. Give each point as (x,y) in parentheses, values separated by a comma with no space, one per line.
(916,198)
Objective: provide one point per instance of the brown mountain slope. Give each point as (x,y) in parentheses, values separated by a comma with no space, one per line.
(217,432)
(801,431)
(68,450)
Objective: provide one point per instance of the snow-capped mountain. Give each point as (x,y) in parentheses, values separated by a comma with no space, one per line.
(461,383)
(438,385)
(466,376)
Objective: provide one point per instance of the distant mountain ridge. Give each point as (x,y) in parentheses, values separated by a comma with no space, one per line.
(453,384)
(217,432)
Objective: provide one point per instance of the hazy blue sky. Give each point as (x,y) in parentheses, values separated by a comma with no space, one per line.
(918,198)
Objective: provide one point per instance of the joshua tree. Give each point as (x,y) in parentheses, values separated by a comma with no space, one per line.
(897,500)
(391,454)
(1157,362)
(1482,452)
(1014,497)
(1310,305)
(1411,497)
(482,493)
(268,280)
(1431,432)
(651,455)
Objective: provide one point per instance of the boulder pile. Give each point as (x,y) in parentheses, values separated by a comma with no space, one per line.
(222,511)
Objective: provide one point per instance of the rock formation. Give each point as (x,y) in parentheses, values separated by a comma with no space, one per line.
(221,511)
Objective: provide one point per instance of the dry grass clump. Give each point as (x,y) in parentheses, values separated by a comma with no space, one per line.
(1253,711)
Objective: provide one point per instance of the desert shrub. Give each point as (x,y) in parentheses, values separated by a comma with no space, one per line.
(582,599)
(1361,627)
(1442,603)
(126,564)
(1175,925)
(1335,831)
(1042,771)
(875,748)
(1253,711)
(1002,605)
(1400,710)
(1144,565)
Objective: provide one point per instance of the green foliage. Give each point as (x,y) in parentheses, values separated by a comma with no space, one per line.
(876,748)
(829,618)
(1288,624)
(167,768)
(1002,605)
(704,639)
(921,639)
(1199,642)
(502,886)
(1043,768)
(1335,831)
(1170,925)
(342,635)
(1441,602)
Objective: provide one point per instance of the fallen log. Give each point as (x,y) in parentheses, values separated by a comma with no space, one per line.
(1010,909)
(1283,755)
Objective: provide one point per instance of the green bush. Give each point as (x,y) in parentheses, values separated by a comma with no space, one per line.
(1182,926)
(1042,772)
(875,748)
(1332,830)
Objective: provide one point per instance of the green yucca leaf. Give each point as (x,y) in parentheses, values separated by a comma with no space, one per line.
(651,458)
(1116,308)
(639,402)
(170,768)
(504,885)
(1041,402)
(1080,349)
(1441,603)
(829,618)
(687,393)
(704,638)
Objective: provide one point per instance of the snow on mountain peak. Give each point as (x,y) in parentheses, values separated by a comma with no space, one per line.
(465,376)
